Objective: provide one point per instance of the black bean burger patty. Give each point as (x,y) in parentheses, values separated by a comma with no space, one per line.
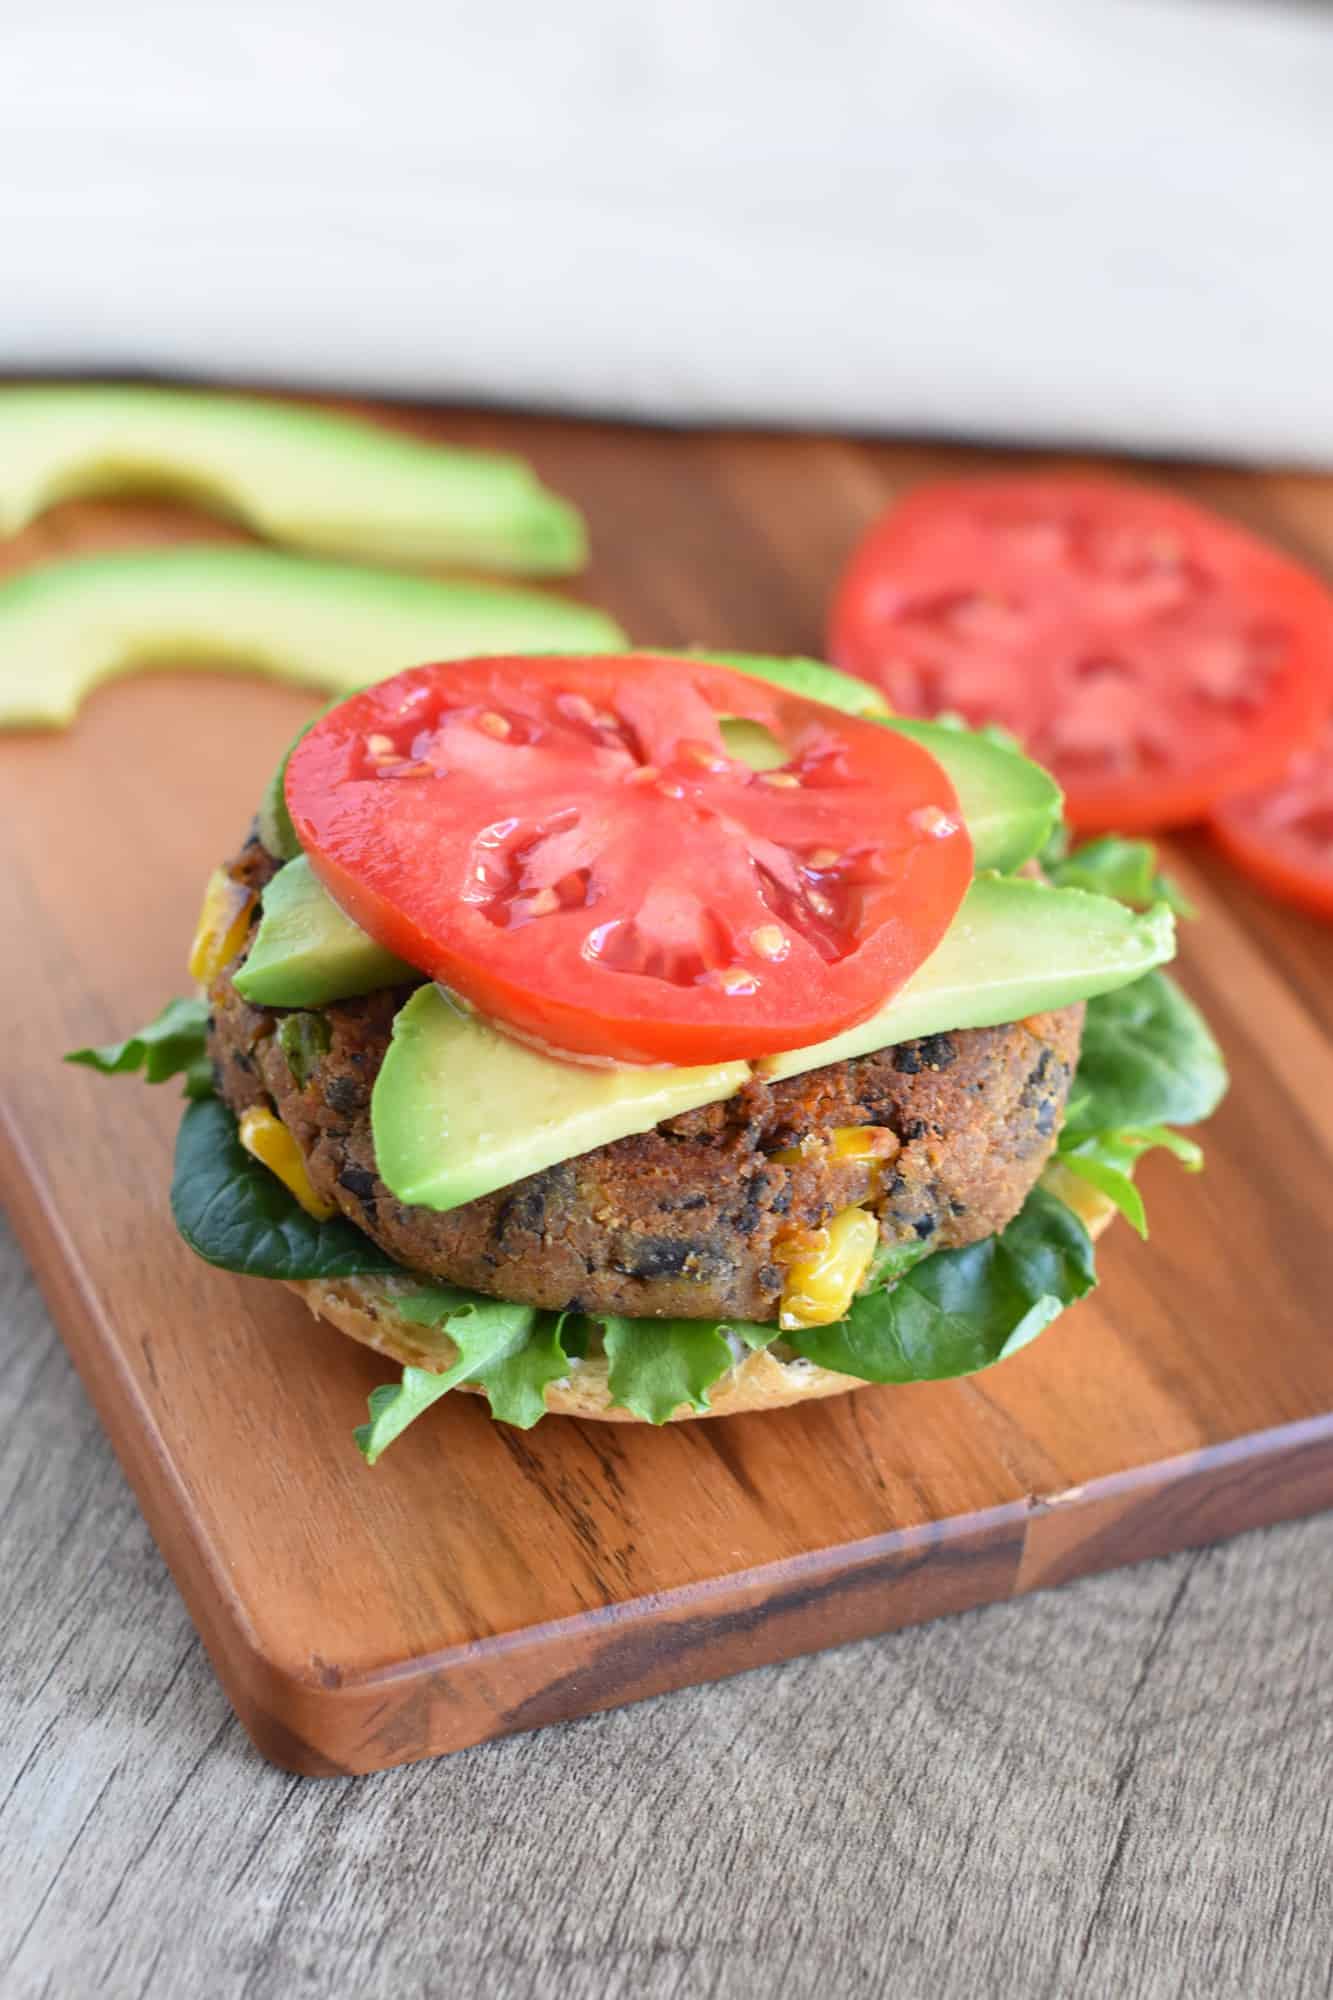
(687,1220)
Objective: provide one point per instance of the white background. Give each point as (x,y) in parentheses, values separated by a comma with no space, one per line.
(1101,220)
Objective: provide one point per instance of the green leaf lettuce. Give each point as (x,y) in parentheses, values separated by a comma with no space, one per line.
(171,1045)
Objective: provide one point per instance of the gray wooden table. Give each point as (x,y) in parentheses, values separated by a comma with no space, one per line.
(1122,1788)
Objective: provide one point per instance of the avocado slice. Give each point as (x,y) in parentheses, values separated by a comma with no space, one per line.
(811,678)
(1015,947)
(69,626)
(273,821)
(306,952)
(459,1109)
(306,477)
(1010,804)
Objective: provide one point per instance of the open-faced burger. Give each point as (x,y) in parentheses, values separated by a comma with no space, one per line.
(662,1036)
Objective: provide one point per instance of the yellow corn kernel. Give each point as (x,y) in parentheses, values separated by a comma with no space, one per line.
(846,1142)
(862,1142)
(266,1139)
(220,931)
(820,1283)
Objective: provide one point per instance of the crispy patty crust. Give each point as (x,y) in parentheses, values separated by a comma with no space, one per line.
(687,1220)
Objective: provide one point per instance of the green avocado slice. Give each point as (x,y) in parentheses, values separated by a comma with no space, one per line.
(812,678)
(1010,804)
(69,626)
(460,1110)
(1015,948)
(298,475)
(306,952)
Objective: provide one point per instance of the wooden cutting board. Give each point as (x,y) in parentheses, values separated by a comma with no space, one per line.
(482,1580)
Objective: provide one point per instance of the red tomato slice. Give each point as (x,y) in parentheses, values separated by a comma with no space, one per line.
(1283,836)
(1155,658)
(567,844)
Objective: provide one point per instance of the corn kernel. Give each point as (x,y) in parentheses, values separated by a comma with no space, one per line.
(819,1287)
(266,1139)
(220,931)
(845,1142)
(859,1142)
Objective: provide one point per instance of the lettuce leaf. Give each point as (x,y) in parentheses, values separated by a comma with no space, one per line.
(1106,1160)
(171,1045)
(658,1364)
(516,1383)
(234,1213)
(486,1333)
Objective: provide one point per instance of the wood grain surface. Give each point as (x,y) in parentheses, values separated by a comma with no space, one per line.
(484,1581)
(1115,1791)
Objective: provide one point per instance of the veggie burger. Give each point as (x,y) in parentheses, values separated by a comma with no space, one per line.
(661,1036)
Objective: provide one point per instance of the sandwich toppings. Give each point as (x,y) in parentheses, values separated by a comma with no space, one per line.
(575,851)
(596,1033)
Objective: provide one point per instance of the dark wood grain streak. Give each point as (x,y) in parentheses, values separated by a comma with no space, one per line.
(482,1581)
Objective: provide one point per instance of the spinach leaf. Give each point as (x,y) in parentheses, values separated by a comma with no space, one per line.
(1148,1059)
(234,1213)
(1125,869)
(960,1310)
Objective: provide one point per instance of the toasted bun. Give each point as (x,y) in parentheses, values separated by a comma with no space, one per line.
(365,1309)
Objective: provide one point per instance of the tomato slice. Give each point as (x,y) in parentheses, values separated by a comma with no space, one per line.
(1283,835)
(567,844)
(1155,658)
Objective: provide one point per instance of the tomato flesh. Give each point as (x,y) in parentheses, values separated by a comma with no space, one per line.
(1154,657)
(568,845)
(1283,835)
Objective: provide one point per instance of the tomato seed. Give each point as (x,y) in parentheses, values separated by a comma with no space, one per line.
(929,819)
